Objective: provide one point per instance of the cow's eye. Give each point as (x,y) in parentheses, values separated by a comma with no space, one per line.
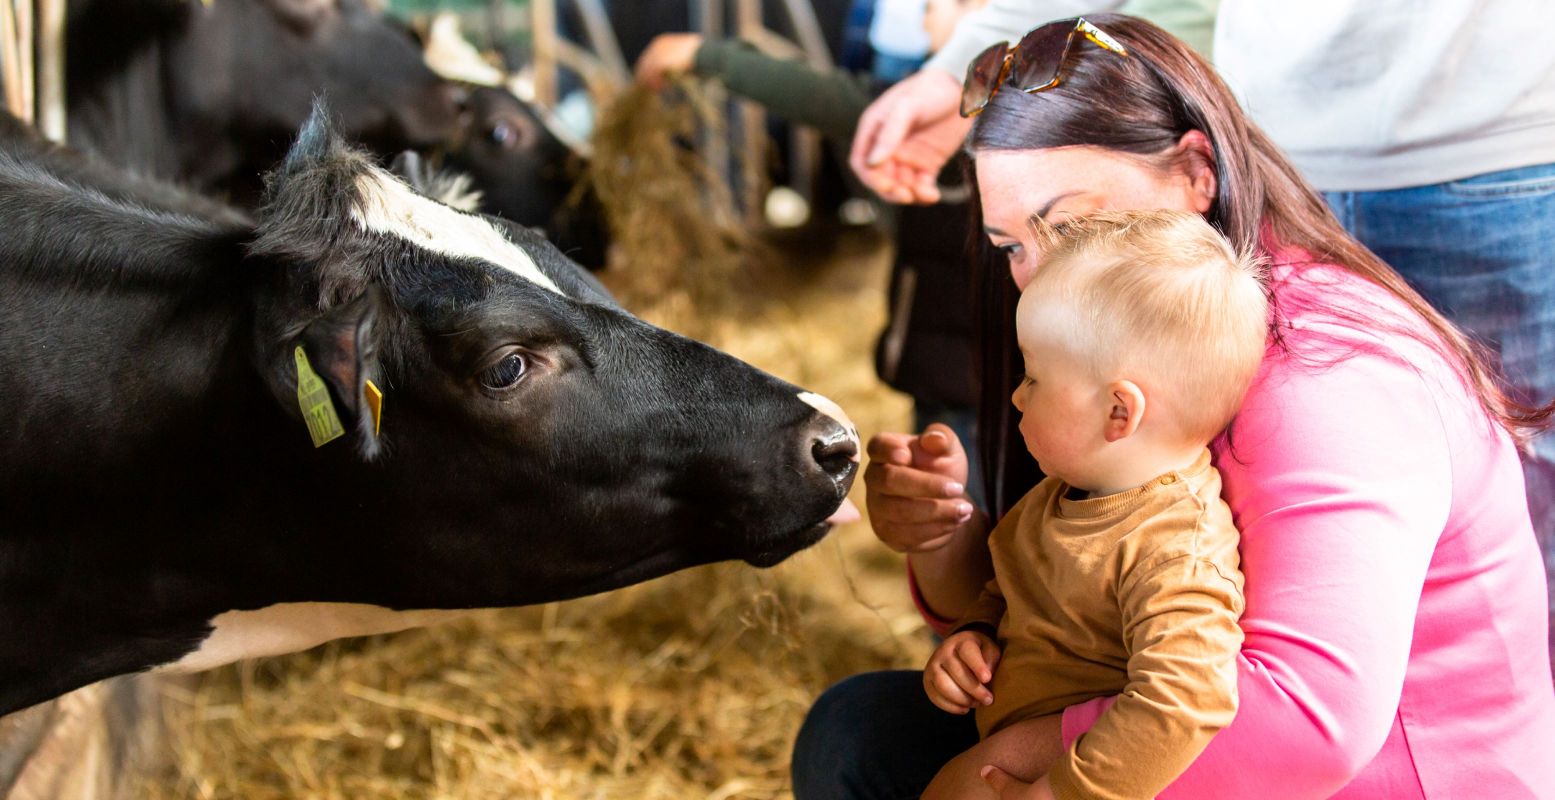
(503,134)
(506,373)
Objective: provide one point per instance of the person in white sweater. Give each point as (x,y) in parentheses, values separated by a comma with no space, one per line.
(1429,125)
(1430,128)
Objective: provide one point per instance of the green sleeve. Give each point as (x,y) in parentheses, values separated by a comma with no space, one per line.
(829,101)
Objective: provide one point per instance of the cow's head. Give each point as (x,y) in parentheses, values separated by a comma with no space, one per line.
(536,440)
(250,69)
(526,172)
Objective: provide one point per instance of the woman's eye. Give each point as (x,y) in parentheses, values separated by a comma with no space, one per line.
(1011,251)
(507,372)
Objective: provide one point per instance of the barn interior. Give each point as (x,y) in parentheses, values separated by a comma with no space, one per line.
(689,686)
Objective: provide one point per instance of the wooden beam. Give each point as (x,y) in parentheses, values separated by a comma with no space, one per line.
(51,69)
(10,68)
(24,59)
(542,30)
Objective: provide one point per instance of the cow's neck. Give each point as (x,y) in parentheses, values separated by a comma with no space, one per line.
(148,479)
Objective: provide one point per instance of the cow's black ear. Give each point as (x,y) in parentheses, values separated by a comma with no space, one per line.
(316,140)
(341,347)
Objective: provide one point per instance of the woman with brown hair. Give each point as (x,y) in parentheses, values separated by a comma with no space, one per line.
(1395,628)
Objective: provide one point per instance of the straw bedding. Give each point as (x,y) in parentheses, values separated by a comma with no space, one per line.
(691,686)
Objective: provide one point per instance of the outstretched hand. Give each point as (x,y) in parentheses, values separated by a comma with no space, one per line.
(667,55)
(915,489)
(907,135)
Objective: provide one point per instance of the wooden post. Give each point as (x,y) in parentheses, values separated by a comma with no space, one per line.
(24,58)
(10,68)
(542,29)
(707,17)
(51,69)
(751,159)
(602,40)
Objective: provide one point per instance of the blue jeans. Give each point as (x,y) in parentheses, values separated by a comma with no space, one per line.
(876,736)
(1482,250)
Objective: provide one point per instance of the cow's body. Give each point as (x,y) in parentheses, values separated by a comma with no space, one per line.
(210,95)
(161,503)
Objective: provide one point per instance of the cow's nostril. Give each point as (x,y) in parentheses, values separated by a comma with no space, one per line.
(836,452)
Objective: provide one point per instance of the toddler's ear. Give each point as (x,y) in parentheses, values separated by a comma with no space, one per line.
(1127,408)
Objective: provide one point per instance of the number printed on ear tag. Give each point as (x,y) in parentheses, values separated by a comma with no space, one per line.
(318,410)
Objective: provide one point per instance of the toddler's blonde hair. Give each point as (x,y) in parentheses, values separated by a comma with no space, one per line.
(1157,297)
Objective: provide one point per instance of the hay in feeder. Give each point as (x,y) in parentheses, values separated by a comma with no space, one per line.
(679,245)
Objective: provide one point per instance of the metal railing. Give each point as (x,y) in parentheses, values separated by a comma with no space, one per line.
(599,61)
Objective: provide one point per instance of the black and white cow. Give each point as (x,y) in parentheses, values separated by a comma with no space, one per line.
(165,367)
(209,94)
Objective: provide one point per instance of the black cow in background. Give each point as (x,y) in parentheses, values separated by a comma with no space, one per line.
(173,379)
(210,94)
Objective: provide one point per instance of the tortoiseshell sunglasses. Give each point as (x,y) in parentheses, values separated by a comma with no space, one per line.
(1032,65)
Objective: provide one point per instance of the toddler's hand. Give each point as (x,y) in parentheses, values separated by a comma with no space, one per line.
(957,675)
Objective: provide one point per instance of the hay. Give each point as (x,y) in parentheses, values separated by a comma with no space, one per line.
(678,241)
(691,686)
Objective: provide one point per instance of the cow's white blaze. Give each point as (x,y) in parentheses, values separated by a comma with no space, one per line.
(293,627)
(826,406)
(386,205)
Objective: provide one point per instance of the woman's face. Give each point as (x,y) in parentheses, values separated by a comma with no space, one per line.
(1063,182)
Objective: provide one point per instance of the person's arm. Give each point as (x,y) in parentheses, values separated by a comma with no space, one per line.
(915,490)
(1340,479)
(828,100)
(947,582)
(1180,623)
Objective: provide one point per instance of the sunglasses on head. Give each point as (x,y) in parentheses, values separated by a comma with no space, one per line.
(1032,65)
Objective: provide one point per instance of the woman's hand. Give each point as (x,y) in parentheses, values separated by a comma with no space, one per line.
(907,135)
(958,673)
(915,488)
(668,54)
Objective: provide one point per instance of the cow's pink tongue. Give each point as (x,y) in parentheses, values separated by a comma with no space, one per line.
(845,513)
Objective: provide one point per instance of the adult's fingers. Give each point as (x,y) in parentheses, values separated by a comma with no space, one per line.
(893,129)
(895,448)
(865,133)
(899,510)
(914,538)
(938,441)
(904,481)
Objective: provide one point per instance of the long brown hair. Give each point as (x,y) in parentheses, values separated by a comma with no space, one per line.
(1143,105)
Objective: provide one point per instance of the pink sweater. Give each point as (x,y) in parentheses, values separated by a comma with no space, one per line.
(1395,625)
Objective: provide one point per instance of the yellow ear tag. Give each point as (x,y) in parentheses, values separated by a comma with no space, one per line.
(375,402)
(317,409)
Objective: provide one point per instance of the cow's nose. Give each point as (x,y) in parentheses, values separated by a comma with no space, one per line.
(834,442)
(834,448)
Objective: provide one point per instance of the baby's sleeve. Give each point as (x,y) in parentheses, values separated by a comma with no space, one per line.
(1180,625)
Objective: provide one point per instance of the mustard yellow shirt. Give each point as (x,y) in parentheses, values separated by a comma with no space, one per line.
(1134,595)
